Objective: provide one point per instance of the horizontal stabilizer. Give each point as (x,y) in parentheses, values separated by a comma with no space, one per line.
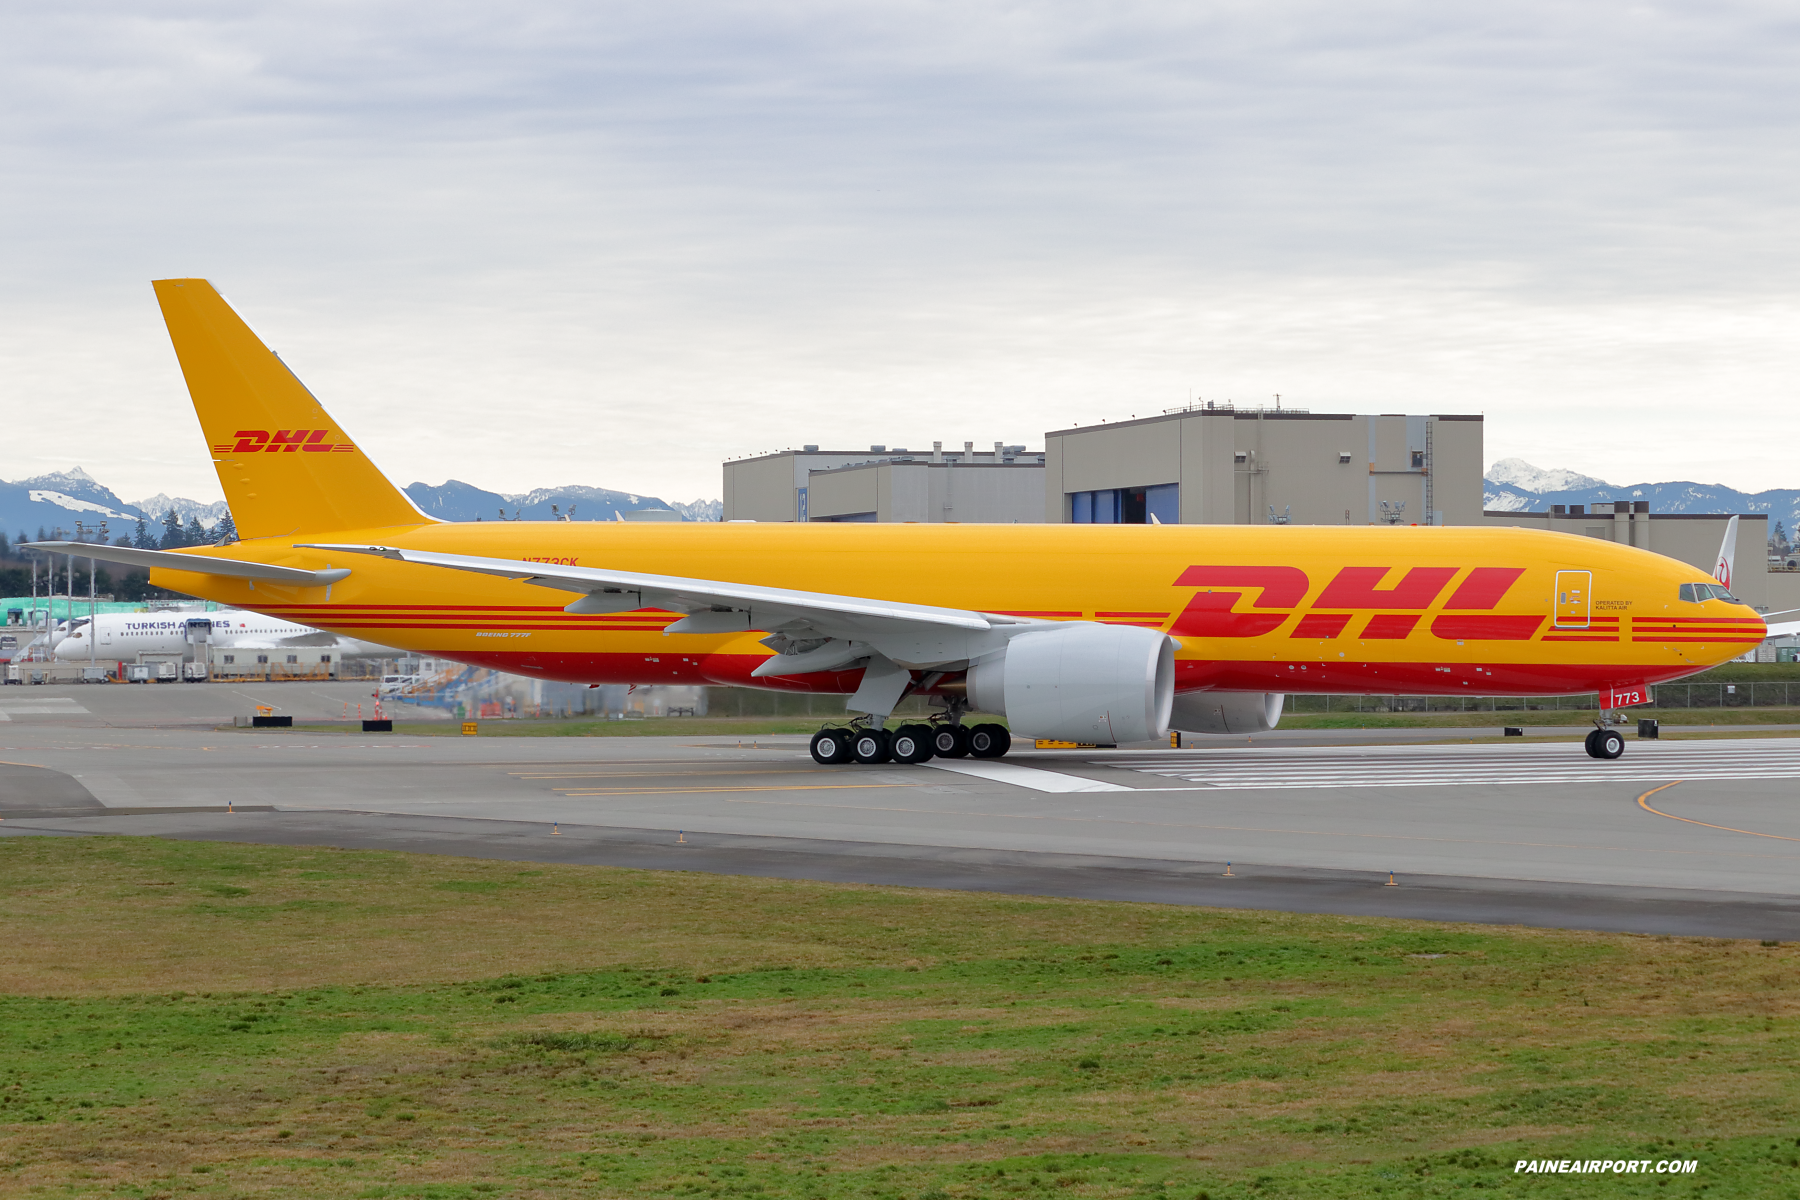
(170,560)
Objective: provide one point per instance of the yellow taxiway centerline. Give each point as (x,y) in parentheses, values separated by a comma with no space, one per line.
(1643,804)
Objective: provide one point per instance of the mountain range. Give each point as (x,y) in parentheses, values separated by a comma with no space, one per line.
(62,498)
(454,500)
(1514,485)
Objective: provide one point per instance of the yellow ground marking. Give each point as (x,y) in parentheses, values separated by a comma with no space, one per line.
(1643,803)
(810,787)
(9,763)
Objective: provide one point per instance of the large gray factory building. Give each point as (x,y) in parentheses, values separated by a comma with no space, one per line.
(1219,465)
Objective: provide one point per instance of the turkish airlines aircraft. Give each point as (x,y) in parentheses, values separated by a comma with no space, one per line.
(1086,633)
(121,636)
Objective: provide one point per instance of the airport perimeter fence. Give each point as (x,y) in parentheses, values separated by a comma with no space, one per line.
(1667,695)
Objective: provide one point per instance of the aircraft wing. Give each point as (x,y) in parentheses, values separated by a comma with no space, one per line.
(811,631)
(171,560)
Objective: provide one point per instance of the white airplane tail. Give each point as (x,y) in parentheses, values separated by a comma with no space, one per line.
(1727,553)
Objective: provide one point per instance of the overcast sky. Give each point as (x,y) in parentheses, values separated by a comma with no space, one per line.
(528,244)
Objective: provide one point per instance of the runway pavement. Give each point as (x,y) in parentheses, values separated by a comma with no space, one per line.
(1504,831)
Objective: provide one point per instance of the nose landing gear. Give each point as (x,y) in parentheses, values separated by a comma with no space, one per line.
(1605,742)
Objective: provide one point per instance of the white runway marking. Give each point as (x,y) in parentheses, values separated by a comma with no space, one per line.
(52,705)
(1439,766)
(1027,777)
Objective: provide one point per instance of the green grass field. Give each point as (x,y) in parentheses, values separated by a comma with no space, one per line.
(191,1019)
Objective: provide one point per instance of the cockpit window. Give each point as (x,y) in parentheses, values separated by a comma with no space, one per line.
(1694,593)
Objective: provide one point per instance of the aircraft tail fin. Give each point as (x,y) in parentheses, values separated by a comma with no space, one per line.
(286,467)
(1727,554)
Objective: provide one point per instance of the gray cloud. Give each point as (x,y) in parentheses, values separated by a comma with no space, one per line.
(615,243)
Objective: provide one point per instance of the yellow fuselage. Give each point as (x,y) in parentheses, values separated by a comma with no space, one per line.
(1254,608)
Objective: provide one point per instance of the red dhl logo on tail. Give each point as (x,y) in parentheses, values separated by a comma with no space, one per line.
(253,441)
(1467,615)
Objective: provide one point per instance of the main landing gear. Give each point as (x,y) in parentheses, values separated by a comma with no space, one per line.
(908,743)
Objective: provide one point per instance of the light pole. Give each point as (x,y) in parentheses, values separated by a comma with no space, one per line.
(94,609)
(81,532)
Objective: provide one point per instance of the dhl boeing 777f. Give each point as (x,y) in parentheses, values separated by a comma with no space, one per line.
(1087,633)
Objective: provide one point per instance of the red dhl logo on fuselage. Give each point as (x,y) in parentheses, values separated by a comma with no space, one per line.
(255,441)
(1467,615)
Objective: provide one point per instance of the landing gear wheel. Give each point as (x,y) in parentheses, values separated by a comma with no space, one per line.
(1606,743)
(1588,743)
(831,747)
(912,744)
(989,741)
(950,741)
(872,746)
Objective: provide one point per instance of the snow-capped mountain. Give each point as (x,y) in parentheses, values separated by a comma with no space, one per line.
(1506,490)
(157,507)
(454,500)
(700,510)
(60,499)
(1522,475)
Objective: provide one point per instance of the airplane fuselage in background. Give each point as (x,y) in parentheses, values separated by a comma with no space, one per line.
(121,637)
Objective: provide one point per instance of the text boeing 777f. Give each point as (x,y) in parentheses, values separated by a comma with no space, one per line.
(1087,633)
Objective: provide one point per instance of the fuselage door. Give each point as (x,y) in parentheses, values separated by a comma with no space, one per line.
(1573,599)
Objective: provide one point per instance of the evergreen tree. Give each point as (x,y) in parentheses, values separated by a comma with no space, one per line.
(21,539)
(174,536)
(5,549)
(225,530)
(42,537)
(142,539)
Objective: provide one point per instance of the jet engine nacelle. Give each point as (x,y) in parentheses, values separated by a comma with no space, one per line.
(1227,712)
(1081,682)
